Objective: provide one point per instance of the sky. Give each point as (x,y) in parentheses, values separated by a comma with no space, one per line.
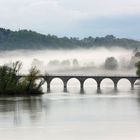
(73,18)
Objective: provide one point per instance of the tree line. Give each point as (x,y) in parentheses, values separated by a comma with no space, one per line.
(27,39)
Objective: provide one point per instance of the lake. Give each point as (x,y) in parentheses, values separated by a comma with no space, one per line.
(108,115)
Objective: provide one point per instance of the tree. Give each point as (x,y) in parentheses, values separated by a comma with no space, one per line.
(138,68)
(11,84)
(111,63)
(75,63)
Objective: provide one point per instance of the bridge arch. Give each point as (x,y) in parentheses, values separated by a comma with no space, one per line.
(73,82)
(107,82)
(55,83)
(89,86)
(124,82)
(90,82)
(137,83)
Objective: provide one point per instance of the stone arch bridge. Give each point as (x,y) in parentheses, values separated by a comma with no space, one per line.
(83,78)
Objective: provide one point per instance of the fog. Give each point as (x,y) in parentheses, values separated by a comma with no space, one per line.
(73,61)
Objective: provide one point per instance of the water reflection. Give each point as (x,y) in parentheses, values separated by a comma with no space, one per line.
(20,109)
(90,90)
(43,110)
(99,91)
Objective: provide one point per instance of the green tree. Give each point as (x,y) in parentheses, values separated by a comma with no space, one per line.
(11,84)
(138,68)
(111,63)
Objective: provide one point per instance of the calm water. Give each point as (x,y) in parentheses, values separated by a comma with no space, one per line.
(108,115)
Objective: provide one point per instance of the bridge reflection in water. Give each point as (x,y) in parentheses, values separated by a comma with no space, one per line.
(82,78)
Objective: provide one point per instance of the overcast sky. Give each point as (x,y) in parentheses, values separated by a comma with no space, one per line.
(78,18)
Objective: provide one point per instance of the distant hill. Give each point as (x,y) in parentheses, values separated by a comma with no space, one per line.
(27,39)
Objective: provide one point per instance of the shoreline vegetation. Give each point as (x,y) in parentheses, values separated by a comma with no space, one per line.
(11,85)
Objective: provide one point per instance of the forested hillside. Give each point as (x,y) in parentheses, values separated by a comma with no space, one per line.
(27,39)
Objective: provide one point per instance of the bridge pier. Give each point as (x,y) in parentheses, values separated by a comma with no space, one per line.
(65,86)
(48,81)
(115,86)
(98,84)
(115,81)
(48,87)
(81,80)
(132,85)
(132,81)
(81,85)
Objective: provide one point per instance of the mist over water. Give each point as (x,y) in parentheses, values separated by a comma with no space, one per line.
(88,60)
(108,115)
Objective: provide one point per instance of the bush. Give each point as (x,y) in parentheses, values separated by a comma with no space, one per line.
(11,84)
